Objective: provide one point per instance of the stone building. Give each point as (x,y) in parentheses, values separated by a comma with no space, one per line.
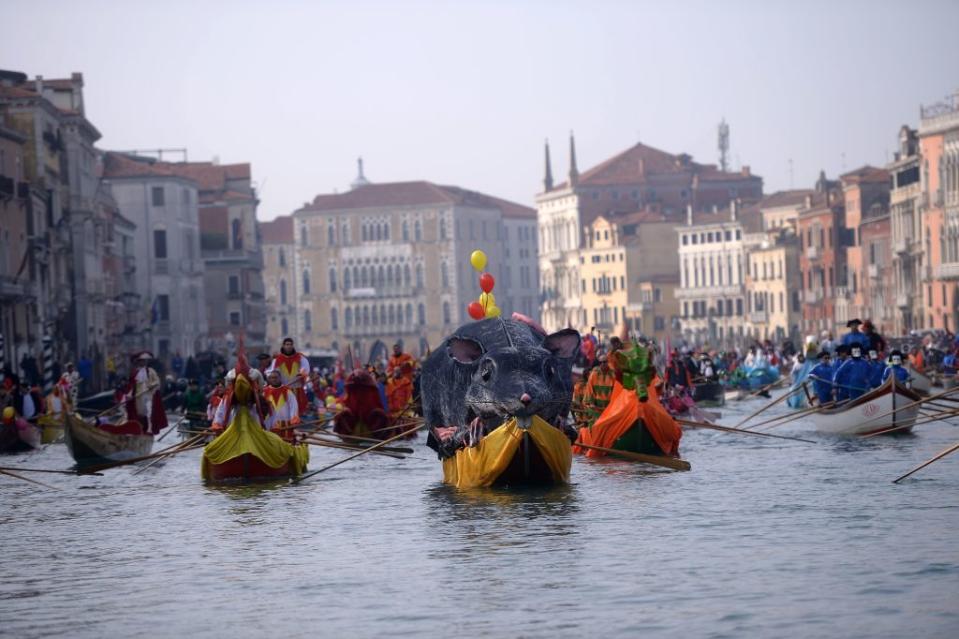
(773,291)
(821,231)
(18,300)
(169,274)
(633,180)
(279,277)
(908,257)
(231,252)
(388,262)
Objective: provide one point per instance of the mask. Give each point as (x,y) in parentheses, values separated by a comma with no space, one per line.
(896,361)
(856,352)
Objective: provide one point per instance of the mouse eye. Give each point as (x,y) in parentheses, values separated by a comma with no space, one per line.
(486,371)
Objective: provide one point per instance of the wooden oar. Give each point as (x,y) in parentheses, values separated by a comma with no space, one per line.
(656,460)
(896,429)
(327,438)
(729,429)
(353,437)
(947,451)
(32,481)
(119,404)
(778,400)
(768,386)
(173,451)
(171,429)
(328,444)
(791,417)
(907,406)
(297,480)
(43,470)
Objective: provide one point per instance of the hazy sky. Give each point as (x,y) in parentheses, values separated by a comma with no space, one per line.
(465,92)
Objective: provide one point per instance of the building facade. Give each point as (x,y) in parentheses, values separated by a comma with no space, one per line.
(18,302)
(773,290)
(908,260)
(169,273)
(636,179)
(279,279)
(389,262)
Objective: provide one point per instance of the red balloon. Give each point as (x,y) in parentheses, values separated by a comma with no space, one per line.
(487,282)
(475,309)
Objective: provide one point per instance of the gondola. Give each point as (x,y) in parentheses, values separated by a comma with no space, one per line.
(709,394)
(244,453)
(873,412)
(515,453)
(16,440)
(91,445)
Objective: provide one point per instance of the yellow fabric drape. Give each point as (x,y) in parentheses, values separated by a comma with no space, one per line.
(243,436)
(482,465)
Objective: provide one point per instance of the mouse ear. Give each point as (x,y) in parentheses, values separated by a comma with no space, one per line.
(464,351)
(563,344)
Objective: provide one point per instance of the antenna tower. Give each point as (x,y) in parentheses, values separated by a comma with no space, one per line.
(723,145)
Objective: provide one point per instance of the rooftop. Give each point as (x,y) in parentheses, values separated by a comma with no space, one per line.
(278,231)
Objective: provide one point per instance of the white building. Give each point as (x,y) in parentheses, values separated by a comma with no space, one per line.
(169,273)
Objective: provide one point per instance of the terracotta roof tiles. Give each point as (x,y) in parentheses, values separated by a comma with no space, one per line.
(278,231)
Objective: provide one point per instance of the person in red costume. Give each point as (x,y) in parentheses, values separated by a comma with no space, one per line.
(294,369)
(226,409)
(400,361)
(143,396)
(363,411)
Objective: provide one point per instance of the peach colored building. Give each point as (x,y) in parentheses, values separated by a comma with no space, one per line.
(819,228)
(866,194)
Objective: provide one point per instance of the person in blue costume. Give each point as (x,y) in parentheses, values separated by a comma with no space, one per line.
(852,378)
(876,368)
(842,354)
(896,368)
(855,336)
(821,377)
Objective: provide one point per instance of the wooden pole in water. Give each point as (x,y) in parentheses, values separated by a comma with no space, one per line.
(768,386)
(43,470)
(32,481)
(297,480)
(768,406)
(791,417)
(729,429)
(341,446)
(947,451)
(171,429)
(656,460)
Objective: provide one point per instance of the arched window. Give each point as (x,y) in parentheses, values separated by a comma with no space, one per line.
(379,232)
(346,279)
(366,316)
(364,233)
(333,279)
(445,274)
(380,276)
(442,228)
(307,322)
(283,295)
(446,313)
(375,318)
(409,314)
(282,257)
(389,275)
(334,319)
(406,231)
(406,275)
(364,277)
(306,282)
(304,236)
(347,317)
(331,234)
(383,314)
(386,231)
(356,275)
(419,275)
(417,231)
(391,315)
(345,234)
(285,326)
(421,314)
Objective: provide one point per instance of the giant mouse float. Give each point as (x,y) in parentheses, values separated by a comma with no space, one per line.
(491,370)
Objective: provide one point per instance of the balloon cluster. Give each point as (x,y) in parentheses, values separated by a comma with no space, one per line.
(485,306)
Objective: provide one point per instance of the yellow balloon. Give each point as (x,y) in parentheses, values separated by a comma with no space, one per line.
(478,260)
(487,300)
(493,311)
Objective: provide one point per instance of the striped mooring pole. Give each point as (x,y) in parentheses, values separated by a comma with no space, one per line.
(3,357)
(47,364)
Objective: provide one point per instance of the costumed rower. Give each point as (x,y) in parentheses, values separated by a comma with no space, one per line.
(599,387)
(144,402)
(246,396)
(821,376)
(399,390)
(215,397)
(852,378)
(294,370)
(855,336)
(896,368)
(363,413)
(281,402)
(401,361)
(876,368)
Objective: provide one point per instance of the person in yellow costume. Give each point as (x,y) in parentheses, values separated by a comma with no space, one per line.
(283,413)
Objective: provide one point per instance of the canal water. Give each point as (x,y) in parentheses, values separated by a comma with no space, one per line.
(763,538)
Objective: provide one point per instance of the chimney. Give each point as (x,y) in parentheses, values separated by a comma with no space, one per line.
(548,179)
(746,171)
(808,201)
(733,205)
(689,215)
(642,166)
(573,171)
(38,84)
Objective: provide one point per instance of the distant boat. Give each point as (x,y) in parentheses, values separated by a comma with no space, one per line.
(92,445)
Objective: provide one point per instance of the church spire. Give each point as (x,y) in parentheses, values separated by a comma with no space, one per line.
(573,171)
(548,180)
(360,178)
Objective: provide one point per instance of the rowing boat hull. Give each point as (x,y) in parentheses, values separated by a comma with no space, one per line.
(90,445)
(853,418)
(510,456)
(246,468)
(709,394)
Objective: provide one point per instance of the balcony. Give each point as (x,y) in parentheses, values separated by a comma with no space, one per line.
(903,300)
(640,307)
(368,292)
(900,245)
(12,289)
(841,293)
(759,317)
(383,332)
(813,253)
(873,271)
(948,271)
(925,273)
(813,297)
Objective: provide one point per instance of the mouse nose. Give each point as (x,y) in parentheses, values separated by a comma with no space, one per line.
(526,399)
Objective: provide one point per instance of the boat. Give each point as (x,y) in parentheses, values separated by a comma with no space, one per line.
(14,439)
(920,382)
(91,444)
(735,394)
(96,403)
(709,394)
(244,452)
(514,453)
(51,428)
(853,417)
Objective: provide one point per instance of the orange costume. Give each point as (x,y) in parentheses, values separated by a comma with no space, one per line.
(283,411)
(399,391)
(399,362)
(294,370)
